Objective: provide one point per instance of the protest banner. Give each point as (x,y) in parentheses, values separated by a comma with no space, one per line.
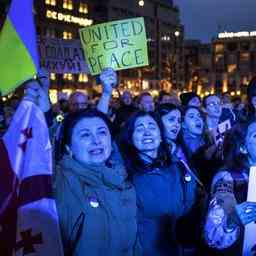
(119,44)
(250,229)
(62,56)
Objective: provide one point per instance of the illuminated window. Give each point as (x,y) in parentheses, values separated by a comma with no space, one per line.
(50,2)
(244,57)
(219,58)
(67,35)
(83,8)
(53,76)
(245,80)
(68,76)
(219,48)
(83,78)
(68,4)
(232,68)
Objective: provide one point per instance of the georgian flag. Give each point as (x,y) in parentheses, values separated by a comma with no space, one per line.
(26,185)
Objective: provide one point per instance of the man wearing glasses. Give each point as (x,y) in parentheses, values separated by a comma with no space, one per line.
(213,108)
(77,101)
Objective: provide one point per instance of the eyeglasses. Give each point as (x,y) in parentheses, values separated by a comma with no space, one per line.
(212,104)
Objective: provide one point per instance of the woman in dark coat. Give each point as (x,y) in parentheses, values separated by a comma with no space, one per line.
(96,203)
(171,119)
(201,151)
(161,197)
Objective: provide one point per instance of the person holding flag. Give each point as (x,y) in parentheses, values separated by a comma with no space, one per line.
(27,180)
(28,216)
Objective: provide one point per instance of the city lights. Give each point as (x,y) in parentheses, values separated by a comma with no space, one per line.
(177,33)
(141,3)
(237,34)
(68,18)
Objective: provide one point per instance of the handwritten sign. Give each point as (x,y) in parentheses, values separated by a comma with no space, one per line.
(250,229)
(119,44)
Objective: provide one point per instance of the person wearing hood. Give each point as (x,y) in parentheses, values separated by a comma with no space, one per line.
(95,202)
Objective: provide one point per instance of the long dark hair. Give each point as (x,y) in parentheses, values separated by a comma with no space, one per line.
(205,136)
(166,108)
(161,111)
(134,163)
(234,140)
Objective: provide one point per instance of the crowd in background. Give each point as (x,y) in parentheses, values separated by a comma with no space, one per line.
(149,176)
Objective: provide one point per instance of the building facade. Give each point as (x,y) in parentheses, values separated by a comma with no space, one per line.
(198,67)
(234,61)
(227,64)
(63,19)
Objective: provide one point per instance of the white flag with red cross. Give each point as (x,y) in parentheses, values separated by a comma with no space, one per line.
(28,160)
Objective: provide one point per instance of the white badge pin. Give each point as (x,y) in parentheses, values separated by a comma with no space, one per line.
(187,177)
(94,202)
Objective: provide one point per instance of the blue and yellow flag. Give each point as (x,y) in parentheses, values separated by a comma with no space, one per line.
(18,49)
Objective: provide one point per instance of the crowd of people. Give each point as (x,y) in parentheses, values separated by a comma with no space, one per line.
(144,176)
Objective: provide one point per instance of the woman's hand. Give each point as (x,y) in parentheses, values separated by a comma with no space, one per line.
(108,78)
(35,93)
(246,212)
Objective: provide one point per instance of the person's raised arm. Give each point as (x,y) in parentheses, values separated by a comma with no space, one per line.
(37,90)
(108,78)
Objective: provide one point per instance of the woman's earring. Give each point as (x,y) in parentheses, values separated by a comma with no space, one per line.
(68,150)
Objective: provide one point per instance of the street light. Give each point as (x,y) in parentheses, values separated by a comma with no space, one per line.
(174,60)
(177,33)
(141,3)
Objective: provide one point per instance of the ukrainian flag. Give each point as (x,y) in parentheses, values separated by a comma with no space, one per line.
(18,49)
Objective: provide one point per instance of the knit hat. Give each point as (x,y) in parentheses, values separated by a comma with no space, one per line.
(186,97)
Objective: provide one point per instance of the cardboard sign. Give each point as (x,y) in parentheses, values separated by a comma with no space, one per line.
(62,56)
(119,44)
(250,229)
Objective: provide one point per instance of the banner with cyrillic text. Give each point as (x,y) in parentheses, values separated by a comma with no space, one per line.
(62,56)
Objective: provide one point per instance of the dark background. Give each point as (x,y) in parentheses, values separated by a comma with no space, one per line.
(204,18)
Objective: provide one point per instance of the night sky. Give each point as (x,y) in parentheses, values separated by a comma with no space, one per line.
(202,17)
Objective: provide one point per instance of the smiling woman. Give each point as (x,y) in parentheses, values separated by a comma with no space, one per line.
(95,202)
(161,199)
